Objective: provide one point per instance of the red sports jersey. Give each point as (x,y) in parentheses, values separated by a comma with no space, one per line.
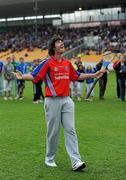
(56,75)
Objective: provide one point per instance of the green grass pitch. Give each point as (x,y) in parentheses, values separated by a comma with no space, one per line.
(101,130)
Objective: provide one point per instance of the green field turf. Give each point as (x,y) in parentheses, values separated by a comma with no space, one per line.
(101,130)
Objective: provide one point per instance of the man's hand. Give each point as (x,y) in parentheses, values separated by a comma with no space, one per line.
(101,72)
(18,75)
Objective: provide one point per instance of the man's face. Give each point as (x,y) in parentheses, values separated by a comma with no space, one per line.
(36,62)
(59,47)
(21,60)
(77,60)
(119,55)
(89,67)
(8,60)
(122,58)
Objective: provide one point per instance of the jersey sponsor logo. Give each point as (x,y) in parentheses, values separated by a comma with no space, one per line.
(55,69)
(61,77)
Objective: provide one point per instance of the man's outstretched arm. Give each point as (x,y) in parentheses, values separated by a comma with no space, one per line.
(20,76)
(93,75)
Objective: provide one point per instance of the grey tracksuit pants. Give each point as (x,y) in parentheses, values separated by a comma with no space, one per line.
(60,110)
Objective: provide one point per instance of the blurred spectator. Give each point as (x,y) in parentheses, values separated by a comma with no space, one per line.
(8,78)
(120,68)
(15,64)
(1,79)
(116,73)
(22,68)
(89,82)
(77,62)
(37,88)
(102,81)
(73,85)
(80,83)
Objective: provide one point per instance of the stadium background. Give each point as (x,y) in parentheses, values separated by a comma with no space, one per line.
(19,15)
(101,127)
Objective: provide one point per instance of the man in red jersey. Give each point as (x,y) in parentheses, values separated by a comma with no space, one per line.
(57,72)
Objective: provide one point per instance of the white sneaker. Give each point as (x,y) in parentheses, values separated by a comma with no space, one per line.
(17,97)
(35,102)
(78,98)
(40,101)
(21,98)
(51,163)
(10,98)
(79,166)
(89,100)
(5,98)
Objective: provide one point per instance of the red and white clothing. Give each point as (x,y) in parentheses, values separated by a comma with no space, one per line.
(56,75)
(59,107)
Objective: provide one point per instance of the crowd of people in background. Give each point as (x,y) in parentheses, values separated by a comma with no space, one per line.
(19,39)
(25,38)
(22,38)
(77,87)
(8,83)
(120,71)
(11,88)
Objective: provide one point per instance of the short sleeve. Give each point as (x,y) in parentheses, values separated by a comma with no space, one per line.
(73,73)
(40,71)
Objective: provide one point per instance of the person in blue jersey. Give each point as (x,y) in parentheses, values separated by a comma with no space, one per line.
(1,79)
(15,64)
(21,68)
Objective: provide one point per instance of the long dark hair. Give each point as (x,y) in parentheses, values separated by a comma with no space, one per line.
(52,44)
